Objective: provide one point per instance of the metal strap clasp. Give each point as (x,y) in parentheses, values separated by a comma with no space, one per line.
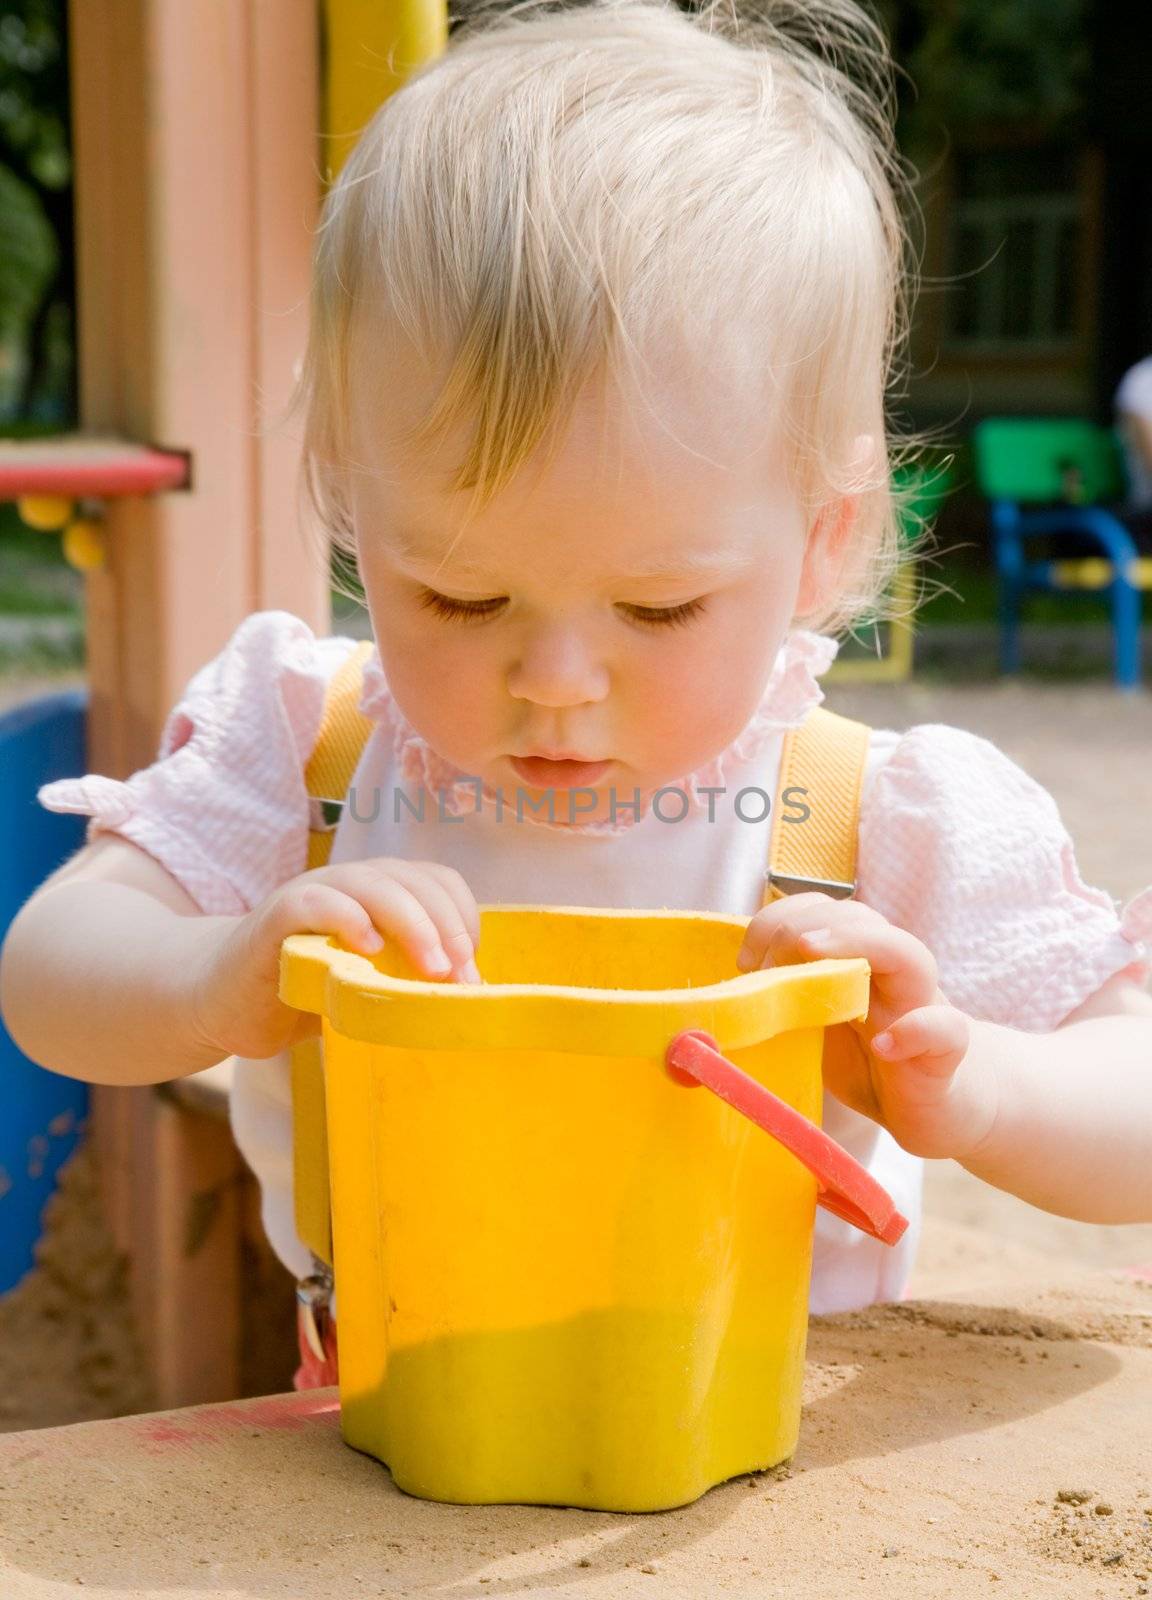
(323,814)
(829,886)
(314,1297)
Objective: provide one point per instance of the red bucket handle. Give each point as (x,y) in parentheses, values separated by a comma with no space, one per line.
(847,1189)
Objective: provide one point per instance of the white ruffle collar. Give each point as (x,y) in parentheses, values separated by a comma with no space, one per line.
(791,692)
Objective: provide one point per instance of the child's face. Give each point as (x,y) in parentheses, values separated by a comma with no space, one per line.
(569,641)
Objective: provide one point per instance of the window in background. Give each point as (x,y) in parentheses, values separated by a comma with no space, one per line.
(1016,249)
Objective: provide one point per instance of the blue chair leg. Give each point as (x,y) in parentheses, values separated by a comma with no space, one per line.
(1009,608)
(1125,599)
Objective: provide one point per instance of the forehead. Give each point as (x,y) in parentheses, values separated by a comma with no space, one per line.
(674,475)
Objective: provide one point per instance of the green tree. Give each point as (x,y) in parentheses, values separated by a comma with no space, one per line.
(37,272)
(976,62)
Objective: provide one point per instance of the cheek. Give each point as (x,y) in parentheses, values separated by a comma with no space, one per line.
(696,694)
(440,679)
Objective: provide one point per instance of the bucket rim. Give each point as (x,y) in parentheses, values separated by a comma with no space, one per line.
(360,1002)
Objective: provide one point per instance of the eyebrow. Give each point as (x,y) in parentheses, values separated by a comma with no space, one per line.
(704,564)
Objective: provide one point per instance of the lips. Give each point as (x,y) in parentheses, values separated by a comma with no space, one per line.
(542,772)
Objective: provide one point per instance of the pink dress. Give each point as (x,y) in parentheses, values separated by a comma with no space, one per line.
(957,844)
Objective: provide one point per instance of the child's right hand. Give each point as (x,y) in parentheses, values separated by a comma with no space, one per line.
(426,907)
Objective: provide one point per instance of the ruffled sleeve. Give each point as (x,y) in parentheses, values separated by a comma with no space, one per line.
(224,808)
(964,849)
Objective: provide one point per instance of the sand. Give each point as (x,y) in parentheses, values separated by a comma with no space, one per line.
(69,1348)
(950,1448)
(991,1434)
(68,1344)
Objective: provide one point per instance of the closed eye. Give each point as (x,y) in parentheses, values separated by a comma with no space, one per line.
(666,616)
(443,605)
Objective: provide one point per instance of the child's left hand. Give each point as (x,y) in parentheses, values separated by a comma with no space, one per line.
(935,1096)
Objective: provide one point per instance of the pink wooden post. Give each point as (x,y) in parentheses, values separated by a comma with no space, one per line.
(196,126)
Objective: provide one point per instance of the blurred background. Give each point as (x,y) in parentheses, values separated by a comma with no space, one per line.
(1024,124)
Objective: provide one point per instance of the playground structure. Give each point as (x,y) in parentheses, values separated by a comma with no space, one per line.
(44,1115)
(198,178)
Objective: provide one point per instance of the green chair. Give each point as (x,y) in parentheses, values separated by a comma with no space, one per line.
(1053,476)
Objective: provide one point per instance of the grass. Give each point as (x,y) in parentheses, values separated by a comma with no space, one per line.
(35,579)
(43,659)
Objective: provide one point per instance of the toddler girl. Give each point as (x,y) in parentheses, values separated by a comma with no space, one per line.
(605,308)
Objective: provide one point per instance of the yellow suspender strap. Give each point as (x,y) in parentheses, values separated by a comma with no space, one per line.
(814,827)
(343,730)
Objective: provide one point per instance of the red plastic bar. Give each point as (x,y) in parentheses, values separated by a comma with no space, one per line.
(846,1188)
(78,464)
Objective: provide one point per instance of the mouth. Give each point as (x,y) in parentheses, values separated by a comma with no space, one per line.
(564,772)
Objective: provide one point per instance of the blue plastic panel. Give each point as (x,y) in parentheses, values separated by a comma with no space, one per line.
(41,1115)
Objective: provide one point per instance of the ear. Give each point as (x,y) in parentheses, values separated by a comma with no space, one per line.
(830,533)
(824,553)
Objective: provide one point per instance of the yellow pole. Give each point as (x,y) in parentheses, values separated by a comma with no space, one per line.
(370,48)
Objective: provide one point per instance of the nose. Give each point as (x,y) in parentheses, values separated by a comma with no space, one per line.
(557,666)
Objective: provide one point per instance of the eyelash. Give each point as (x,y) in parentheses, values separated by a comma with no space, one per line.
(476,611)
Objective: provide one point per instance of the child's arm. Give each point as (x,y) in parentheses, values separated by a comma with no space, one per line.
(1061,1119)
(111,974)
(95,970)
(1073,1128)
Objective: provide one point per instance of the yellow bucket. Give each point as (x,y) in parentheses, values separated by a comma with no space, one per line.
(563,1275)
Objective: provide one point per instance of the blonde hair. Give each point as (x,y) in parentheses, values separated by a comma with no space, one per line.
(565,187)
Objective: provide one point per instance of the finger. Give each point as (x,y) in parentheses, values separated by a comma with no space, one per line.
(433,895)
(401,914)
(461,892)
(903,968)
(934,1038)
(414,873)
(795,912)
(394,912)
(787,932)
(317,907)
